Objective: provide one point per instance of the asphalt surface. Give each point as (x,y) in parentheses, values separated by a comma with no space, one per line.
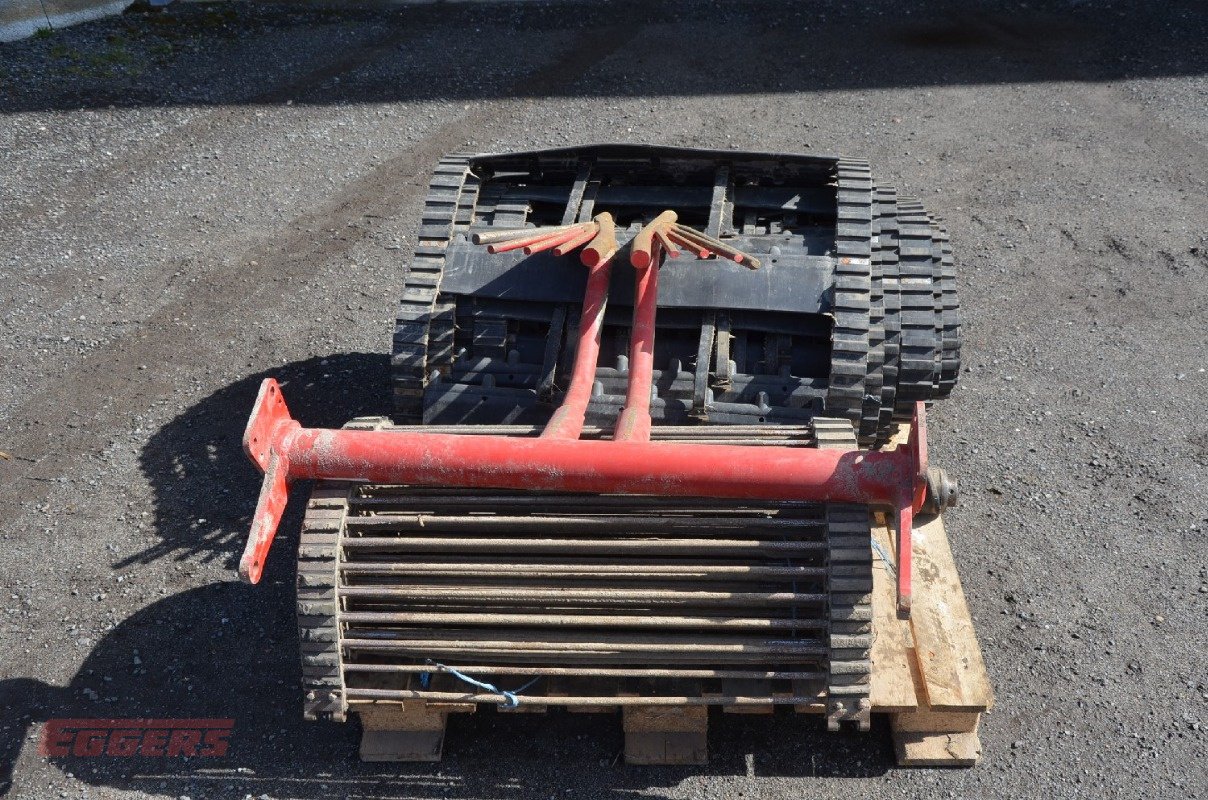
(198,199)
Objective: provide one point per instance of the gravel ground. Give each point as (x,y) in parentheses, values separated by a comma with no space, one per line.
(197,199)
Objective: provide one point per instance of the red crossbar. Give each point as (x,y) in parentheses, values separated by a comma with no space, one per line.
(559,461)
(286,451)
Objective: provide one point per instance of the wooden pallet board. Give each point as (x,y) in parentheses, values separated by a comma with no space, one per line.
(928,672)
(402,732)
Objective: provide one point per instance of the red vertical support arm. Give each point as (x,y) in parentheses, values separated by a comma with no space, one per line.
(633,425)
(910,500)
(567,421)
(269,430)
(905,522)
(274,493)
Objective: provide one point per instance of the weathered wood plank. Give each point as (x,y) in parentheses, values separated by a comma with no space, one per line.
(946,649)
(666,735)
(936,738)
(936,749)
(893,685)
(401,732)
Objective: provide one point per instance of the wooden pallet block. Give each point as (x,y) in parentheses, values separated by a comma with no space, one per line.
(413,730)
(928,672)
(401,731)
(666,735)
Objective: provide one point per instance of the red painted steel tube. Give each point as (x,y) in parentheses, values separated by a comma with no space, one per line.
(285,451)
(567,421)
(657,468)
(578,241)
(633,424)
(553,241)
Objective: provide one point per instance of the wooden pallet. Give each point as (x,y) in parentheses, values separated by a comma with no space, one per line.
(928,675)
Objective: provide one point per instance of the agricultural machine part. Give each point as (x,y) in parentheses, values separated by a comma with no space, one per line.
(572,513)
(630,465)
(702,246)
(663,231)
(851,313)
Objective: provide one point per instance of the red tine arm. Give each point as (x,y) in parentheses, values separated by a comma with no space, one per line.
(577,241)
(665,243)
(538,235)
(689,245)
(633,424)
(551,241)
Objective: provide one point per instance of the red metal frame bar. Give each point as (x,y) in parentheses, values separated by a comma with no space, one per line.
(286,452)
(633,425)
(567,420)
(559,461)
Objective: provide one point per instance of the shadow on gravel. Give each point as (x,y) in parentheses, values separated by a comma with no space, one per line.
(232,54)
(205,488)
(230,651)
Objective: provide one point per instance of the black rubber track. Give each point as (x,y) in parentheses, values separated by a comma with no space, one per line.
(850,369)
(896,321)
(423,330)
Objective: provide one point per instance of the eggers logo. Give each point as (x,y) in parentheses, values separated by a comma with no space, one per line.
(154,738)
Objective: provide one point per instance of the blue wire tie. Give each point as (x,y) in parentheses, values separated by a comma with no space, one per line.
(510,697)
(885,558)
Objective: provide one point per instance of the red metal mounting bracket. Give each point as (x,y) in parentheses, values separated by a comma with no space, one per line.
(286,451)
(559,461)
(265,442)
